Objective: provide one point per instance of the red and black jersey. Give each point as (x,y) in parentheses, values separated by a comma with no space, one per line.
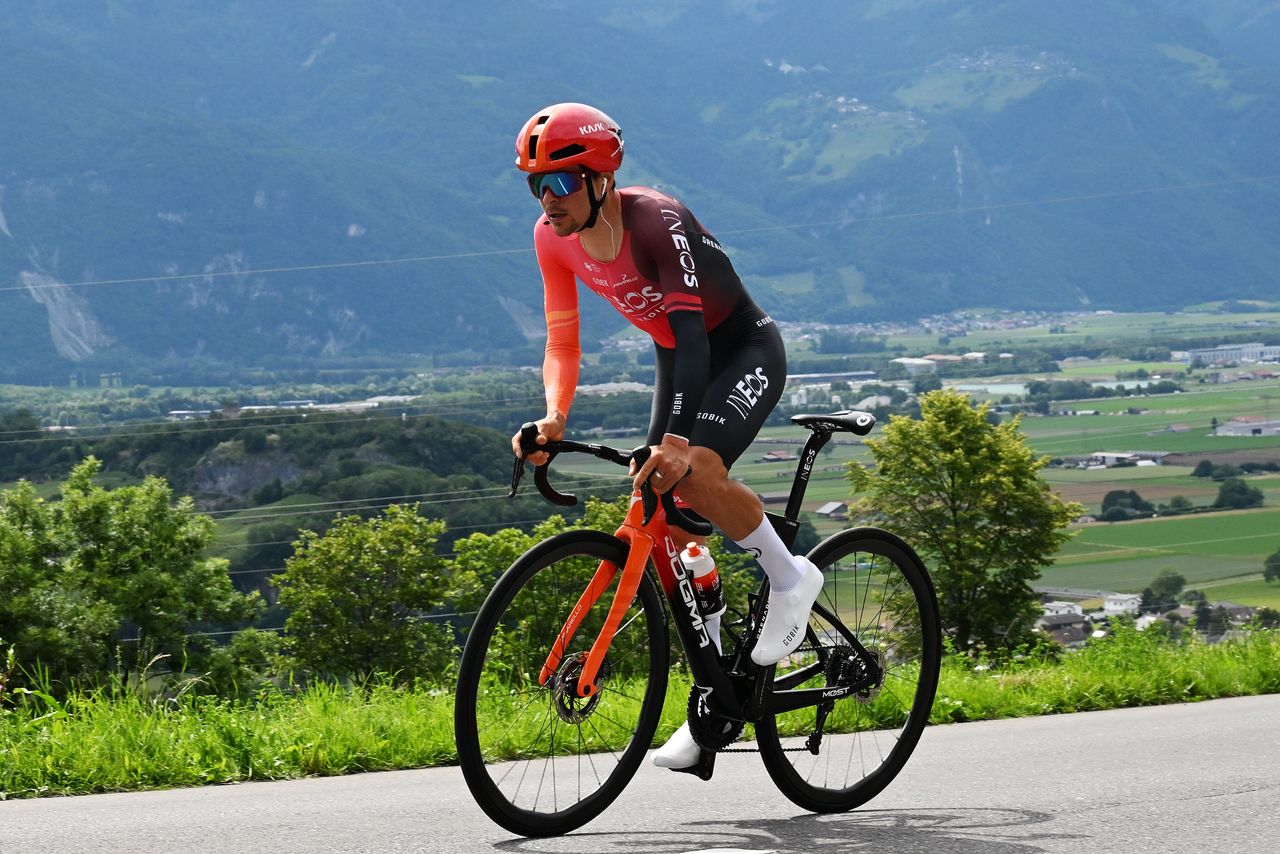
(668,266)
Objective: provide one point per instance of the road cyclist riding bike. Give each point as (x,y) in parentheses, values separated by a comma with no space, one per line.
(721,365)
(564,675)
(565,671)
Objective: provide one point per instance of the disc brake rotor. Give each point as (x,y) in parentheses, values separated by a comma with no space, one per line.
(564,693)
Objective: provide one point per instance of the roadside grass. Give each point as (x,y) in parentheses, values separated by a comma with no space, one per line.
(121,740)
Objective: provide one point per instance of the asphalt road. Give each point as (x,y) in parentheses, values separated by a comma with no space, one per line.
(1200,778)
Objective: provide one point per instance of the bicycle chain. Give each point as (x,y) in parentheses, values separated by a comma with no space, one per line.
(699,713)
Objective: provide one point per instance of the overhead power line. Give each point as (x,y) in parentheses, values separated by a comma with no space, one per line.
(300,268)
(844,221)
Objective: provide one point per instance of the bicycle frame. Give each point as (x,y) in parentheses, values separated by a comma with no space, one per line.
(733,691)
(643,540)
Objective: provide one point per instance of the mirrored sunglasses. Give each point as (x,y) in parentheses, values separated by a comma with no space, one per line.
(560,184)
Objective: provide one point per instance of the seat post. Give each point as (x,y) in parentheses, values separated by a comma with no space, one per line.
(788,525)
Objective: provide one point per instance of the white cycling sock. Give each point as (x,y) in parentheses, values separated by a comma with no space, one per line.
(779,563)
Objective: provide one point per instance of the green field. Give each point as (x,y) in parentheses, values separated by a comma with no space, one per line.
(1088,329)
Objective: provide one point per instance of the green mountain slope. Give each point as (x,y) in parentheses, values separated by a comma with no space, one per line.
(862,160)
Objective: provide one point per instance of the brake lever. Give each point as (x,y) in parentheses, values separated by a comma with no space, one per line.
(649,500)
(528,440)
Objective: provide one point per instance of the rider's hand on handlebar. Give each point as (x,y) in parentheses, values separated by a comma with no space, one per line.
(550,429)
(667,463)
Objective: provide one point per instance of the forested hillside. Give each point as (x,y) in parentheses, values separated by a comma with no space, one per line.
(332,183)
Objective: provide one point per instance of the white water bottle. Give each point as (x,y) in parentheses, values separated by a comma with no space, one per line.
(706,587)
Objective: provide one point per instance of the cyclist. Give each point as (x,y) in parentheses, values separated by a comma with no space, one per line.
(720,363)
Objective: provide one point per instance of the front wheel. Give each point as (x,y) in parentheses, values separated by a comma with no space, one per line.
(877,616)
(539,759)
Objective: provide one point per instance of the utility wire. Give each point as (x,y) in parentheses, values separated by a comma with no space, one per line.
(844,221)
(301,268)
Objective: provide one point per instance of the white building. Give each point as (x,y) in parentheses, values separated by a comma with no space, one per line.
(917,366)
(1249,427)
(1121,603)
(1253,352)
(1054,609)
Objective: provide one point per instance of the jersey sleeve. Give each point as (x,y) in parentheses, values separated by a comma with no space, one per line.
(661,234)
(563,352)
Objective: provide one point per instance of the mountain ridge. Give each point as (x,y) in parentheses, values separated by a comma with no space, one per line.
(863,160)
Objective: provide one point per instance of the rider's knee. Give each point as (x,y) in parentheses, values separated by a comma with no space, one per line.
(707,477)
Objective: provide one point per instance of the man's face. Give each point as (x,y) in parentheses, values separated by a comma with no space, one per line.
(566,213)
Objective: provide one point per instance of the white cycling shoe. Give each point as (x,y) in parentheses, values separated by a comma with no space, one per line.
(680,751)
(787,616)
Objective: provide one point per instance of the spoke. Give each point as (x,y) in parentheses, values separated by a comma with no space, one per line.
(605,741)
(519,714)
(524,760)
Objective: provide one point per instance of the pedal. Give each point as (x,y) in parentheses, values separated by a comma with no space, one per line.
(703,768)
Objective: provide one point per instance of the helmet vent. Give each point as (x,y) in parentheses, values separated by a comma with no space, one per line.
(568,151)
(533,147)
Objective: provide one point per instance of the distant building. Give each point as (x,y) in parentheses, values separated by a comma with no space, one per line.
(836,510)
(1055,609)
(833,376)
(1107,459)
(916,366)
(1070,630)
(1249,426)
(601,389)
(871,402)
(1121,603)
(1253,352)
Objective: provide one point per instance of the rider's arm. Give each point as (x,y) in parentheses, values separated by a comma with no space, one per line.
(690,372)
(563,351)
(661,236)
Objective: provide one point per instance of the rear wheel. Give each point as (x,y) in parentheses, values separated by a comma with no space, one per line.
(877,616)
(539,759)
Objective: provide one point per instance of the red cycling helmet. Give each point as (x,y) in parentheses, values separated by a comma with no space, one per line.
(564,135)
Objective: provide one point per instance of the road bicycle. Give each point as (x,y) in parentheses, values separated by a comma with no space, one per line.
(565,668)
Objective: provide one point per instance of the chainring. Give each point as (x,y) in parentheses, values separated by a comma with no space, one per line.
(710,730)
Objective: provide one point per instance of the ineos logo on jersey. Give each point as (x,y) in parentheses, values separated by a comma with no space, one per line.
(634,302)
(675,226)
(746,392)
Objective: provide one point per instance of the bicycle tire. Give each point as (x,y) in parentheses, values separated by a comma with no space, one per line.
(879,593)
(539,760)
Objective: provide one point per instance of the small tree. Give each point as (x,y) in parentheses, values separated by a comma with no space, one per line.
(968,495)
(1271,567)
(101,566)
(1235,494)
(1165,588)
(1266,618)
(1126,499)
(1204,468)
(360,595)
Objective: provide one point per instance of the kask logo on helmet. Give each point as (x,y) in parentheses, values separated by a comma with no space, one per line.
(598,126)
